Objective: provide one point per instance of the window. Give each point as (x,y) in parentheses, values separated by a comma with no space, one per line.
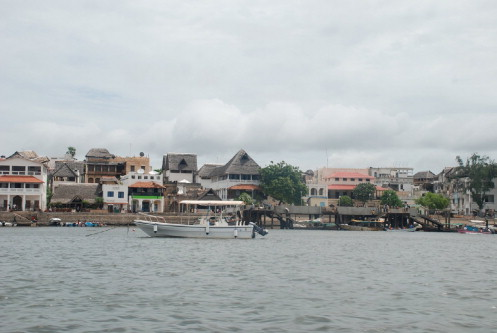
(18,170)
(489,198)
(337,179)
(352,179)
(132,168)
(360,179)
(120,195)
(110,194)
(344,179)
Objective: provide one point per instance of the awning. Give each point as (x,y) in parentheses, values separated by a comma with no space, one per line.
(20,179)
(247,187)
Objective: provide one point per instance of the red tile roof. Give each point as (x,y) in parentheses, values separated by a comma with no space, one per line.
(349,175)
(20,179)
(339,187)
(146,185)
(245,187)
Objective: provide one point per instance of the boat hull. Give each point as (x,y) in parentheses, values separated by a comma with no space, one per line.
(159,229)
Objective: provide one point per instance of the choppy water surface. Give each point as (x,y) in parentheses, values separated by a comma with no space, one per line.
(86,280)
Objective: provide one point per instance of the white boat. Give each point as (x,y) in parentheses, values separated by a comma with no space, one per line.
(213,225)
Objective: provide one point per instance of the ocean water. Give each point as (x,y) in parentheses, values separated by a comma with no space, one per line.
(120,280)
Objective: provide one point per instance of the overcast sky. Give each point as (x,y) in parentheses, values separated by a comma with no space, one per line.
(314,83)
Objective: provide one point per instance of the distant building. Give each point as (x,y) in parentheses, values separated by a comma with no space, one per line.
(238,175)
(179,167)
(344,183)
(67,172)
(145,192)
(100,163)
(75,196)
(23,182)
(424,180)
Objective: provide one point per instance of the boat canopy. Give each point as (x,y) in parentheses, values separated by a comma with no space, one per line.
(211,203)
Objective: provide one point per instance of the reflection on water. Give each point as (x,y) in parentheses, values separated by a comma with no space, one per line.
(119,280)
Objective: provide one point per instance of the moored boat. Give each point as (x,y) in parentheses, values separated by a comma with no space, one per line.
(365,225)
(209,226)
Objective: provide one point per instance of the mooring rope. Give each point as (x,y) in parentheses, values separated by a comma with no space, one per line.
(99,232)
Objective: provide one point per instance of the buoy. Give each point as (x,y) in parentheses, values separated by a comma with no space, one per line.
(235,233)
(155,228)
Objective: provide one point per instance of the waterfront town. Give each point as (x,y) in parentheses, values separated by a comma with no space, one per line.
(112,185)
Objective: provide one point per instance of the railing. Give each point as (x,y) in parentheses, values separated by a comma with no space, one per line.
(152,218)
(20,190)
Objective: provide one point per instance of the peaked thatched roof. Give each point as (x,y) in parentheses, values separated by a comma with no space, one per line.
(68,168)
(66,193)
(241,163)
(183,162)
(208,194)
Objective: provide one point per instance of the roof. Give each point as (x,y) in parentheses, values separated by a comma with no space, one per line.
(146,185)
(206,170)
(424,175)
(211,203)
(68,169)
(183,162)
(339,187)
(241,163)
(245,187)
(29,155)
(20,179)
(99,153)
(349,175)
(66,193)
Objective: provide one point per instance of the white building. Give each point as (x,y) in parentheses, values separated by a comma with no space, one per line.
(145,192)
(115,197)
(240,174)
(23,183)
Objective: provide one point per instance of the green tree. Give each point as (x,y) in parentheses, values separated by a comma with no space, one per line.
(433,201)
(71,151)
(391,199)
(99,202)
(246,198)
(345,201)
(364,192)
(476,176)
(283,182)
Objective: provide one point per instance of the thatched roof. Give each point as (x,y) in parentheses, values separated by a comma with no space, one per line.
(68,169)
(182,162)
(206,170)
(66,193)
(241,163)
(424,175)
(30,155)
(99,153)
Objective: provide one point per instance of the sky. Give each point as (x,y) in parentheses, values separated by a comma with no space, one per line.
(315,83)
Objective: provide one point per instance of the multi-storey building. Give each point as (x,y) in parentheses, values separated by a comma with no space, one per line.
(395,178)
(100,163)
(23,182)
(144,191)
(240,174)
(179,167)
